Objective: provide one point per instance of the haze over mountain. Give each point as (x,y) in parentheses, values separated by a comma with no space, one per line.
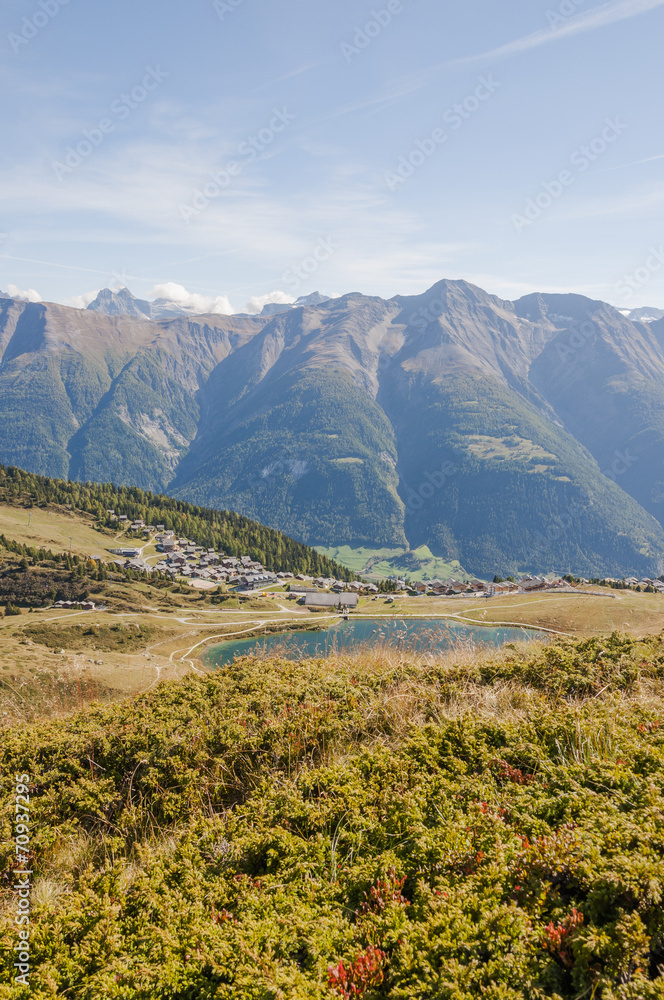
(646,314)
(508,436)
(123,303)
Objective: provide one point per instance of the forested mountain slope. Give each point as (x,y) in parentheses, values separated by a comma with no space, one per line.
(526,435)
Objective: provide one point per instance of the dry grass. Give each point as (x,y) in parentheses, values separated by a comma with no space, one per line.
(598,613)
(415,698)
(55,530)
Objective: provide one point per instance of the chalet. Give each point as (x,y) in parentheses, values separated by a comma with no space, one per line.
(69,605)
(255,581)
(319,600)
(496,589)
(140,565)
(531,583)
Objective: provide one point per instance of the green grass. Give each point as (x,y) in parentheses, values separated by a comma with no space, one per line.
(376,825)
(510,448)
(417,564)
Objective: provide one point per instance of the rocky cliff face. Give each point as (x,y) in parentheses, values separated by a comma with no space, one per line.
(526,435)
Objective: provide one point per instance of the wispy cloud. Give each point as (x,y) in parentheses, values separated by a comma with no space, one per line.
(293,73)
(598,17)
(633,163)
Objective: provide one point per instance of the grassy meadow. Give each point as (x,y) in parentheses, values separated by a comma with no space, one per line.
(59,530)
(416,564)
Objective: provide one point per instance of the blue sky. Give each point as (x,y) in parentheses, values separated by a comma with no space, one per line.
(243,149)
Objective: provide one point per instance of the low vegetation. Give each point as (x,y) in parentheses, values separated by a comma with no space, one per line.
(123,637)
(378,824)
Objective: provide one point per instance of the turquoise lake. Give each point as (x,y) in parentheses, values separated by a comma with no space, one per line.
(428,635)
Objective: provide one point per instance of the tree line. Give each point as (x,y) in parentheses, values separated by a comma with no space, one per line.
(224,531)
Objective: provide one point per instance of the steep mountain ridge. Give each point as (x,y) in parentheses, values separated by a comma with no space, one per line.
(507,435)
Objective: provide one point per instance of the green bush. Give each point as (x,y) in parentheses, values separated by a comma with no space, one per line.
(338,828)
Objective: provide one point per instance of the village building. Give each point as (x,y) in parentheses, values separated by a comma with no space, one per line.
(530,583)
(320,600)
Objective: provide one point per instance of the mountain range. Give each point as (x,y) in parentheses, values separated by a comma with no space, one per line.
(502,436)
(123,303)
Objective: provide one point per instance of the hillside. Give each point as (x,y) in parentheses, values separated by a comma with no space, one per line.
(496,435)
(374,825)
(222,530)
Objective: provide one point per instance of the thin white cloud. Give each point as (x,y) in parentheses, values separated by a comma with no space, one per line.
(597,17)
(29,295)
(255,304)
(82,301)
(634,163)
(638,203)
(180,296)
(293,73)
